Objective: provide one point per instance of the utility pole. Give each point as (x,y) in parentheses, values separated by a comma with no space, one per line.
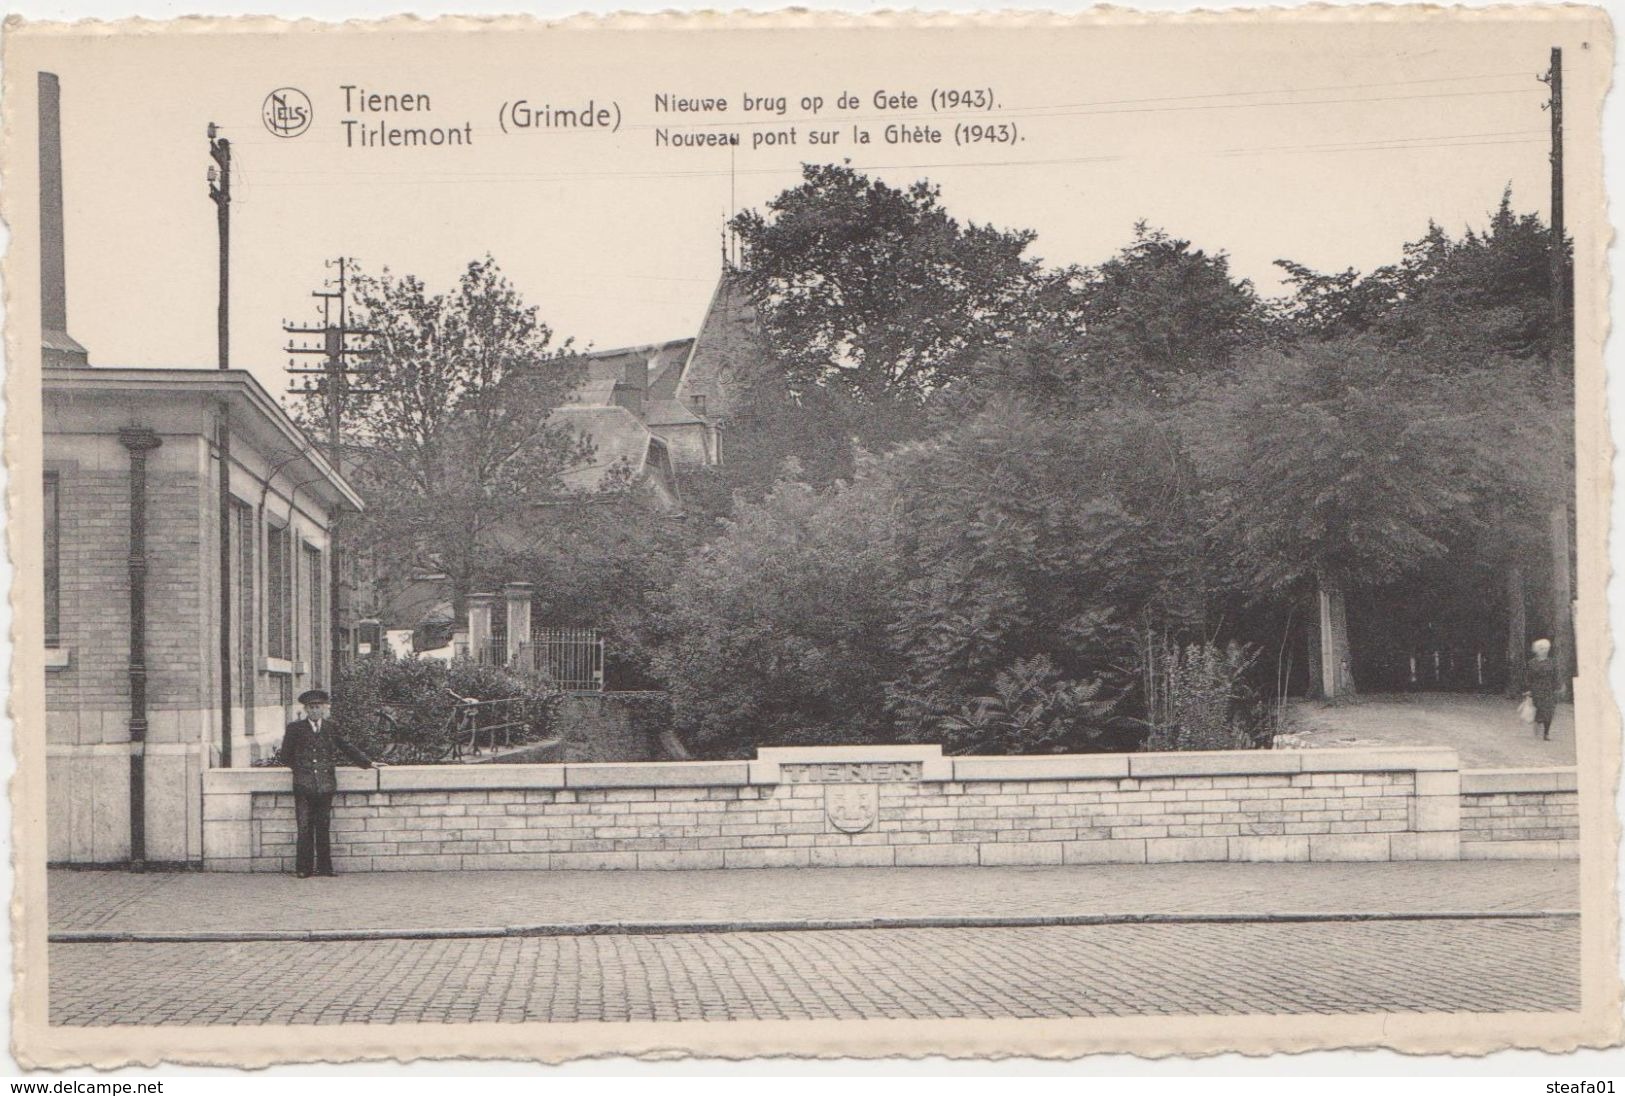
(220,191)
(333,387)
(1559,362)
(1554,77)
(331,383)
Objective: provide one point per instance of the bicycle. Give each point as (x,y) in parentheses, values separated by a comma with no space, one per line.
(466,717)
(460,733)
(403,751)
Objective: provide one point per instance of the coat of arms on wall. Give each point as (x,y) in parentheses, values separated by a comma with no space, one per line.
(852,808)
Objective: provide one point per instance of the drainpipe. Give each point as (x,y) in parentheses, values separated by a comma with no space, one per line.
(223,448)
(139,442)
(335,653)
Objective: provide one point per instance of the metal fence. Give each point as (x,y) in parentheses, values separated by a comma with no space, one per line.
(572,658)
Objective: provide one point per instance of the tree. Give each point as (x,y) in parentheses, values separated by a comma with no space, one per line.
(602,561)
(877,292)
(1453,304)
(1326,306)
(1117,349)
(1344,464)
(1120,349)
(456,440)
(1456,300)
(1161,311)
(982,589)
(1026,535)
(1001,549)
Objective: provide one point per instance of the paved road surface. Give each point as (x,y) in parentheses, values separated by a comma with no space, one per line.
(120,901)
(1484,730)
(1392,966)
(1120,969)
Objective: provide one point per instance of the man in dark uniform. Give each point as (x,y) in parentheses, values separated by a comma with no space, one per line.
(310,747)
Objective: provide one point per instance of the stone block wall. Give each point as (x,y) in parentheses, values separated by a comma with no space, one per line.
(860,806)
(1524,814)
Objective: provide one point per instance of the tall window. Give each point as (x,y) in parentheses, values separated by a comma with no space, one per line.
(278,593)
(313,587)
(243,523)
(53,572)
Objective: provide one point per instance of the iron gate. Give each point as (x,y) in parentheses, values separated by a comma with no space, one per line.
(572,658)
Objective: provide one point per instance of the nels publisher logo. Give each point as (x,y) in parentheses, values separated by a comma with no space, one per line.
(287,112)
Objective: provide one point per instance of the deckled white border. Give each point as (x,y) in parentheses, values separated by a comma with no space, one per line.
(37,1044)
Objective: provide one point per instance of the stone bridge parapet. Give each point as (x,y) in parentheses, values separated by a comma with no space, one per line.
(880,806)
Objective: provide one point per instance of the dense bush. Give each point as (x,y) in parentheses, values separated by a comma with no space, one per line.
(972,590)
(1027,536)
(779,626)
(417,693)
(1031,710)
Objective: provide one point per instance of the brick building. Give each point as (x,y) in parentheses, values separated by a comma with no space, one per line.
(188,577)
(110,748)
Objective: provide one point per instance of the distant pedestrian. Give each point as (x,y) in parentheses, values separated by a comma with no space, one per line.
(310,747)
(1544,688)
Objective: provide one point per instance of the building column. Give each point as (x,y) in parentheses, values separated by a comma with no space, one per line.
(517,597)
(479,625)
(139,442)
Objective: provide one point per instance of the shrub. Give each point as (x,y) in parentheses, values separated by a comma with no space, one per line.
(417,693)
(778,627)
(1031,711)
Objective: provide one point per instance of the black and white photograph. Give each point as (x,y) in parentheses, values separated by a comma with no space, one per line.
(810,534)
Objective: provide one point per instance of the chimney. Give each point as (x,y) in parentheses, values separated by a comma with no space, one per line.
(632,390)
(57,347)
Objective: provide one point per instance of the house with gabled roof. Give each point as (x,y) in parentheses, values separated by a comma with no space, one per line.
(651,411)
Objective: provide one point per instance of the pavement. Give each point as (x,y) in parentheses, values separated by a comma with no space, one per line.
(86,905)
(1484,730)
(911,943)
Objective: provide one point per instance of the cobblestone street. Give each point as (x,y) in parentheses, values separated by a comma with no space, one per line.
(600,958)
(1116,970)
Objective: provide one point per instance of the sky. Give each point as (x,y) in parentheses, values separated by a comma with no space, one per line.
(1331,143)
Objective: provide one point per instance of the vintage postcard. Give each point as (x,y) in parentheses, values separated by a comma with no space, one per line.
(810,535)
